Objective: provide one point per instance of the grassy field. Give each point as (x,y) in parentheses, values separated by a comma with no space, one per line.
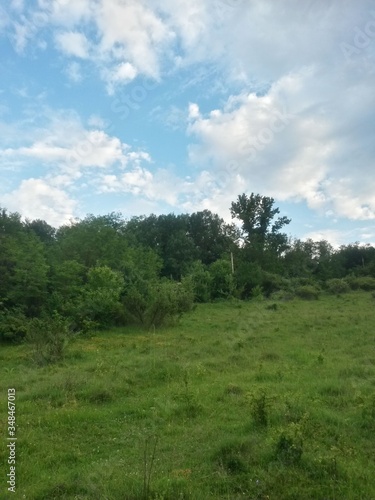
(251,400)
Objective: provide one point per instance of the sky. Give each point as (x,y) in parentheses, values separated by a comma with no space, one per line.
(161,106)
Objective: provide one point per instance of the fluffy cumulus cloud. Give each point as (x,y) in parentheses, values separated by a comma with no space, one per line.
(299,140)
(69,157)
(38,199)
(73,44)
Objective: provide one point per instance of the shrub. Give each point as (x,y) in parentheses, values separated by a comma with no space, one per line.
(272,283)
(159,302)
(308,292)
(48,338)
(222,279)
(201,280)
(366,283)
(337,286)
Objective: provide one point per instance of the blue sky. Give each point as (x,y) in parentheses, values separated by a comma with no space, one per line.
(158,106)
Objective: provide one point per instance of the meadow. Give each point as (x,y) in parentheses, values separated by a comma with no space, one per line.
(241,400)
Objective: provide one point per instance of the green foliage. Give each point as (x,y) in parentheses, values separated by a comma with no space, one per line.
(222,279)
(153,304)
(257,292)
(13,325)
(202,282)
(231,456)
(289,449)
(366,283)
(259,409)
(48,338)
(337,286)
(308,292)
(100,298)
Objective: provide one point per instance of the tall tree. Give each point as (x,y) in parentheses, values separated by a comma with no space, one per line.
(260,229)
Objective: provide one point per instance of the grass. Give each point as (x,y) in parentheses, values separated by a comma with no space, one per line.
(241,400)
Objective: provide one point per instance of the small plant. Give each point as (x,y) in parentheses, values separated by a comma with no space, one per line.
(257,293)
(189,407)
(259,409)
(272,307)
(289,449)
(149,452)
(232,457)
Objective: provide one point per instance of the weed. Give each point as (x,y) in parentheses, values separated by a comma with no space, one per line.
(288,449)
(259,409)
(149,451)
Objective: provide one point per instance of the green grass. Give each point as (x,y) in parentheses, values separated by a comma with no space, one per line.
(241,400)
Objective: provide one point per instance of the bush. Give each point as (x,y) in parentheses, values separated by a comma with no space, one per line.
(98,303)
(272,283)
(308,292)
(13,325)
(366,283)
(222,279)
(201,280)
(337,286)
(159,302)
(48,337)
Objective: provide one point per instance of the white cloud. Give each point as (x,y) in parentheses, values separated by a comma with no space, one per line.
(65,141)
(74,72)
(68,158)
(123,73)
(37,199)
(73,44)
(298,141)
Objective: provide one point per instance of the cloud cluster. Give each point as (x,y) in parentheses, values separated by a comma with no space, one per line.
(69,156)
(299,128)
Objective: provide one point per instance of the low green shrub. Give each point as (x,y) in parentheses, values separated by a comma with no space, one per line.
(308,292)
(337,286)
(366,283)
(153,304)
(47,337)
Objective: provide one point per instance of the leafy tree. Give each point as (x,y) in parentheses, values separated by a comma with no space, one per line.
(41,229)
(257,215)
(29,278)
(168,235)
(212,237)
(263,241)
(93,241)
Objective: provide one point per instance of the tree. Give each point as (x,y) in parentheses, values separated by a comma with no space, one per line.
(168,235)
(257,213)
(263,241)
(93,241)
(212,237)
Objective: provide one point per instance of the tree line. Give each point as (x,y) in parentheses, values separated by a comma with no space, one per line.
(103,271)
